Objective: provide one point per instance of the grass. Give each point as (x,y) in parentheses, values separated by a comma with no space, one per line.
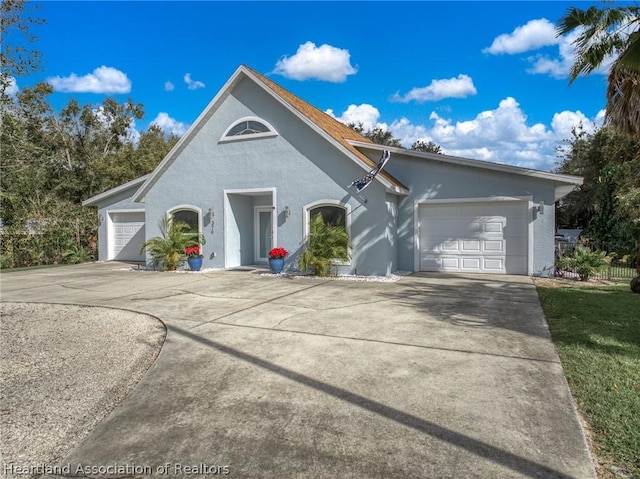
(597,333)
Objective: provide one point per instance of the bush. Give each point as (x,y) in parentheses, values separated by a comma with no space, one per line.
(326,244)
(585,262)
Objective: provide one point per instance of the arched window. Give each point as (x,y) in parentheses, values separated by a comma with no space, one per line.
(248,127)
(189,215)
(333,212)
(331,215)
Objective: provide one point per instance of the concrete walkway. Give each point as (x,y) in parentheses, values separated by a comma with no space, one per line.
(434,376)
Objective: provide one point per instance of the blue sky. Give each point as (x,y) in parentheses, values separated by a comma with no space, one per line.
(485,80)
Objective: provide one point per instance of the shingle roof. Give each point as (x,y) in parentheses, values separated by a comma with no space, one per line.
(337,130)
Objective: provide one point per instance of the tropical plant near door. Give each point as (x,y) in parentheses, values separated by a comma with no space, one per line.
(326,244)
(168,251)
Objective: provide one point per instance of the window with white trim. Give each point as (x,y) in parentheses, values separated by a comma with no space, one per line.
(248,127)
(188,216)
(331,214)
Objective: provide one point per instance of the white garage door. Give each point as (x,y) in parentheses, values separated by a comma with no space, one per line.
(475,237)
(128,236)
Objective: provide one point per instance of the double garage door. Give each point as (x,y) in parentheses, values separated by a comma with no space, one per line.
(487,237)
(128,236)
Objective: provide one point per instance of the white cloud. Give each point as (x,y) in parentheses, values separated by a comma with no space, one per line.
(169,125)
(536,34)
(192,84)
(11,88)
(366,114)
(459,87)
(103,80)
(560,66)
(531,36)
(168,86)
(325,63)
(500,135)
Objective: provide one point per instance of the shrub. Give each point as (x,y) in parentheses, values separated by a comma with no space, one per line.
(585,262)
(326,243)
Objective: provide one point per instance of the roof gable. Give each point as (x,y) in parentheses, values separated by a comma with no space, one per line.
(337,133)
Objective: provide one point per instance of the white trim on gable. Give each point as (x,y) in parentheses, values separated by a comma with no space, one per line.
(94,200)
(243,72)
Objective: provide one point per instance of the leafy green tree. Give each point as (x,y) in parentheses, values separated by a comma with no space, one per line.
(326,244)
(427,147)
(376,134)
(607,204)
(606,32)
(17,58)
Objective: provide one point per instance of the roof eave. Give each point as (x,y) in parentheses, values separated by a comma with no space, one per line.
(567,179)
(94,200)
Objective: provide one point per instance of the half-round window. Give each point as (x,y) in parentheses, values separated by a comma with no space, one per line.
(248,127)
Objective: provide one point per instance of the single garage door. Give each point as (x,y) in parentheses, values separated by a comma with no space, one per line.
(475,237)
(128,236)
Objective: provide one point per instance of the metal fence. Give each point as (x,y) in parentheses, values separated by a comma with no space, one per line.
(619,269)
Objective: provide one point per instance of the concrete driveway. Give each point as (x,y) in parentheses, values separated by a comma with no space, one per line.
(434,376)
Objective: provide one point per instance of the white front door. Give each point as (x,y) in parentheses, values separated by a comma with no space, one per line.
(263,232)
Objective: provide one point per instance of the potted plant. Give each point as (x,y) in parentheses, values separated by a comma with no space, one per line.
(276,259)
(168,251)
(194,257)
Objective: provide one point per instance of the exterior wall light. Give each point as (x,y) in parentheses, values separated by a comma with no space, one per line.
(287,212)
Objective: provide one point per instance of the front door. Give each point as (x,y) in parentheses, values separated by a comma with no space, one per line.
(263,233)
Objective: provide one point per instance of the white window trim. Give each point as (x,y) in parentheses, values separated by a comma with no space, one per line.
(347,219)
(266,134)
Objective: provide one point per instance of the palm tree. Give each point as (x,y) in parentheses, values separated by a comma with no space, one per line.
(327,243)
(168,250)
(605,33)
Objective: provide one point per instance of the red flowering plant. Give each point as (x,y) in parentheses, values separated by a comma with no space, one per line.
(193,252)
(278,253)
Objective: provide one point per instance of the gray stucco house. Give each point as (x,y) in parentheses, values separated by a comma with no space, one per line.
(259,162)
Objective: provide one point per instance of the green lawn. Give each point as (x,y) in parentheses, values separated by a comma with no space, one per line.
(597,333)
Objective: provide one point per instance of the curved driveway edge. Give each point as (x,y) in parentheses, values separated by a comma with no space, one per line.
(434,376)
(62,370)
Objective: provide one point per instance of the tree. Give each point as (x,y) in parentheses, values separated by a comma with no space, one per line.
(607,205)
(16,57)
(607,32)
(326,244)
(376,134)
(427,147)
(168,250)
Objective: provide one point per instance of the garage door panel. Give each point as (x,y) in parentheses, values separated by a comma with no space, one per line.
(493,246)
(128,236)
(483,237)
(470,246)
(470,264)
